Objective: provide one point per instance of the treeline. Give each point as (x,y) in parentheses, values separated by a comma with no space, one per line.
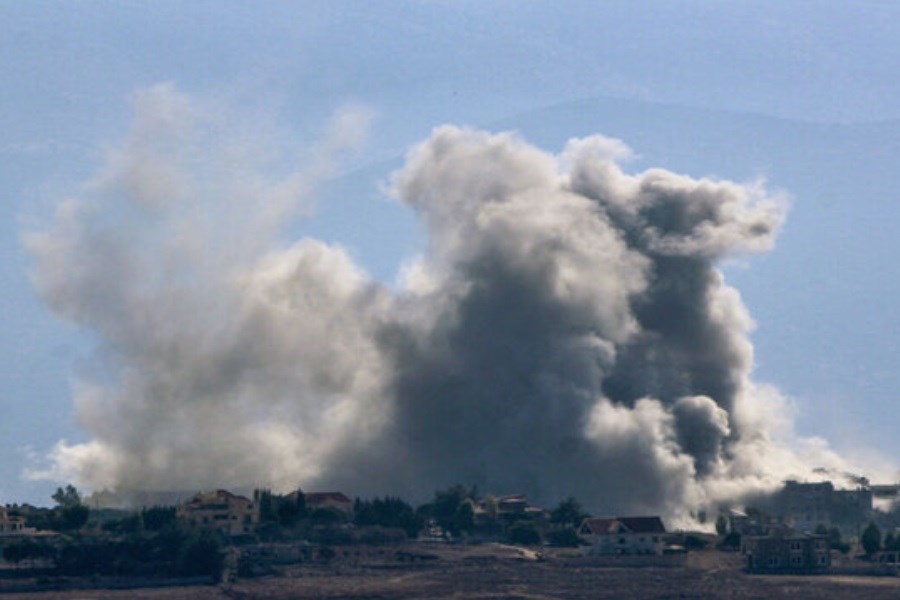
(152,542)
(68,514)
(453,512)
(170,553)
(149,542)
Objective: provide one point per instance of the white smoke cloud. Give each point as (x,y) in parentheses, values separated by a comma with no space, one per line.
(567,330)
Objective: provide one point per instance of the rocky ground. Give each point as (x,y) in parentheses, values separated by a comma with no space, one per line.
(494,572)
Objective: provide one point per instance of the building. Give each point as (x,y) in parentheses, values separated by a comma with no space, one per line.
(791,554)
(623,535)
(850,508)
(805,506)
(757,524)
(220,510)
(515,504)
(316,500)
(13,524)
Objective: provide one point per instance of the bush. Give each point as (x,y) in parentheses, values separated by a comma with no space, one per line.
(564,538)
(202,556)
(377,536)
(871,539)
(327,516)
(157,517)
(524,534)
(731,540)
(389,512)
(695,542)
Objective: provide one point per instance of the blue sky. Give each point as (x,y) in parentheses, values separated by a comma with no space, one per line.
(800,93)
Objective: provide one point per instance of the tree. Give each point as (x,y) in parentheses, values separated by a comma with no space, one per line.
(72,518)
(157,517)
(565,538)
(834,540)
(464,519)
(15,553)
(871,539)
(67,497)
(302,511)
(721,524)
(327,515)
(70,514)
(452,509)
(568,512)
(202,556)
(895,542)
(524,534)
(266,503)
(389,512)
(731,540)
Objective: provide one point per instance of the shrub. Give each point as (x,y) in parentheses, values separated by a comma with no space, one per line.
(564,538)
(524,534)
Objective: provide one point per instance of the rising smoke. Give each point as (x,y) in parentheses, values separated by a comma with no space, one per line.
(566,331)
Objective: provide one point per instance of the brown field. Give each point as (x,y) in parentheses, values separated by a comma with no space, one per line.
(492,572)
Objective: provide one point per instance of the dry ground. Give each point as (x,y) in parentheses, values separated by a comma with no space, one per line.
(488,572)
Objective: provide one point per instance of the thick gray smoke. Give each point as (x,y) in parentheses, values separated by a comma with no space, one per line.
(567,330)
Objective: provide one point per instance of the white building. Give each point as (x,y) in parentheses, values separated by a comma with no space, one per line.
(623,535)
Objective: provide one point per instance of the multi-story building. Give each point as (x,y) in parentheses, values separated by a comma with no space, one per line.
(220,510)
(805,506)
(790,554)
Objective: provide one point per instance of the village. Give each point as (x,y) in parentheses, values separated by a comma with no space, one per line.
(218,538)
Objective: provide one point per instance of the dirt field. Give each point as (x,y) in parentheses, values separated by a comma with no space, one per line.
(494,573)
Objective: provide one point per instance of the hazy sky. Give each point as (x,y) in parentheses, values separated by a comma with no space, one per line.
(802,94)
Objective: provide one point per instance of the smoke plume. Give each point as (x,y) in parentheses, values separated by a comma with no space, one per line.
(567,330)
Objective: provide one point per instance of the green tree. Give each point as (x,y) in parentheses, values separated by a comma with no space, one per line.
(202,556)
(327,515)
(70,514)
(568,512)
(67,497)
(265,501)
(523,534)
(835,542)
(387,512)
(721,524)
(15,553)
(72,518)
(156,518)
(452,509)
(565,538)
(464,519)
(871,539)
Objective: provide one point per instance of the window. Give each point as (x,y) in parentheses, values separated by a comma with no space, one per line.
(621,540)
(823,560)
(655,539)
(795,546)
(773,561)
(796,560)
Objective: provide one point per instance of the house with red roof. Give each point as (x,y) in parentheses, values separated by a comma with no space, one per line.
(623,535)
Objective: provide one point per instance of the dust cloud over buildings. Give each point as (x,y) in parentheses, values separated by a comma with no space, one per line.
(567,329)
